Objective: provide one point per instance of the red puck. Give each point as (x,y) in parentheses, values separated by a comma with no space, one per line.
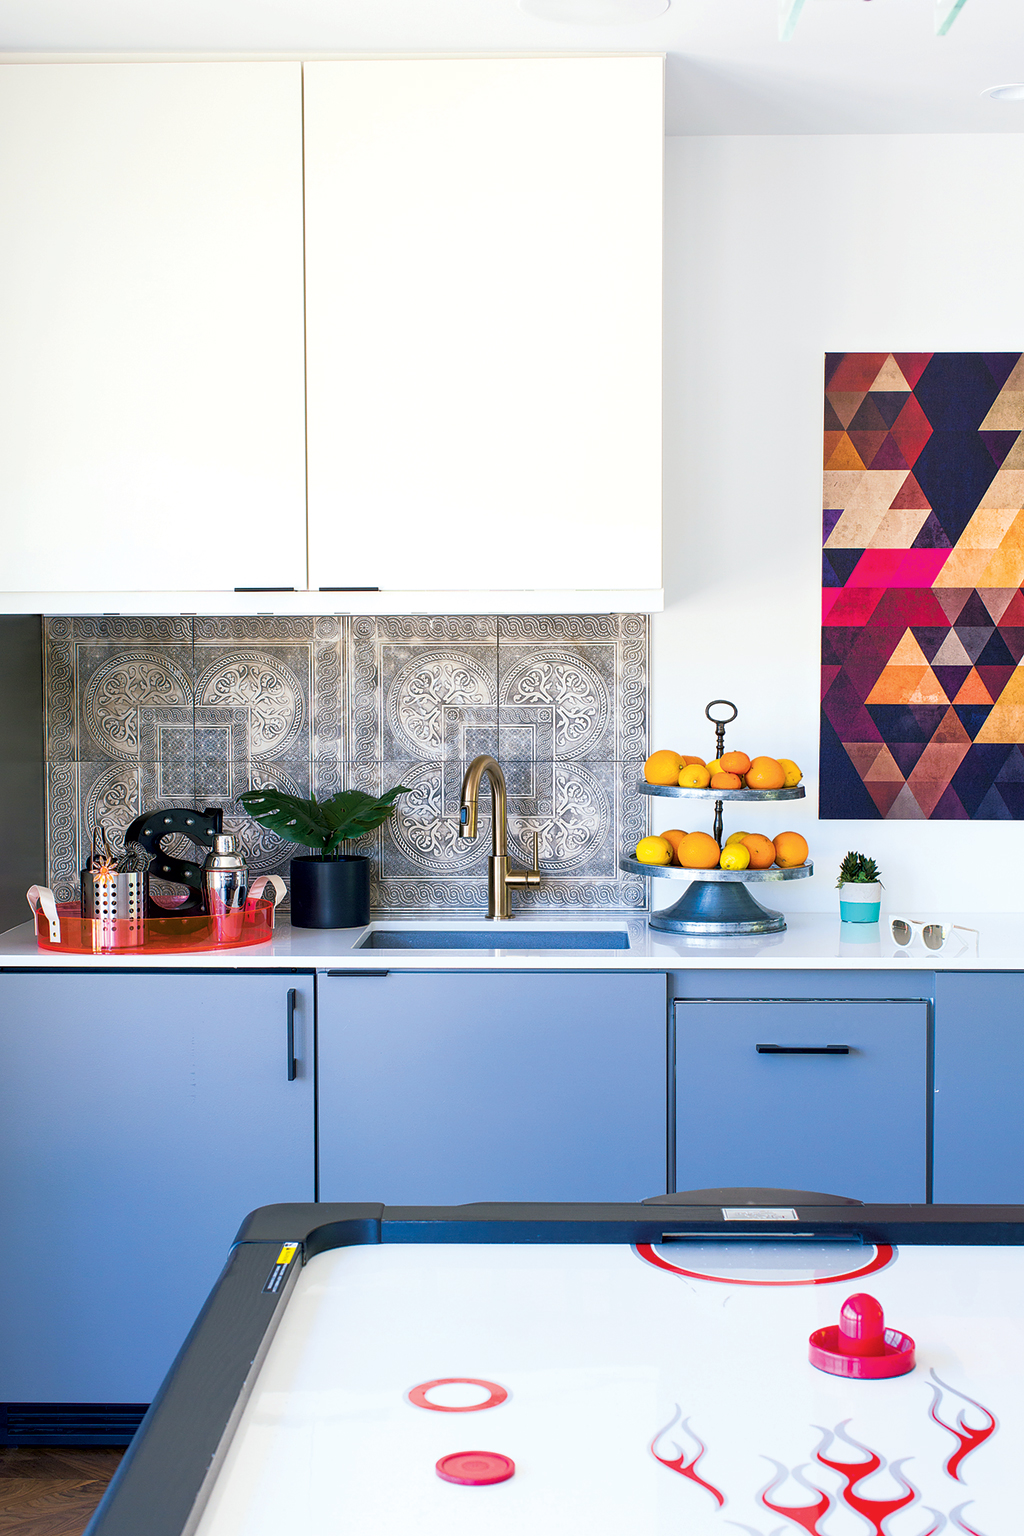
(476,1469)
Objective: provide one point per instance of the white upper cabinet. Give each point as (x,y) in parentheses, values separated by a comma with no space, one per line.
(151,327)
(483,305)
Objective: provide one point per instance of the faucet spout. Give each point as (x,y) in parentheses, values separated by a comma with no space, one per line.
(499,803)
(500,878)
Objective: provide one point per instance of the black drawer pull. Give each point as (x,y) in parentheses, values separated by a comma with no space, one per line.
(290,1041)
(802,1050)
(359,973)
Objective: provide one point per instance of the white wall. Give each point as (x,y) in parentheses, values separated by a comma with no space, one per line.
(778,250)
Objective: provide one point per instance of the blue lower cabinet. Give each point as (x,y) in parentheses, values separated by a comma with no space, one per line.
(979,1088)
(437,1089)
(141,1116)
(849,1121)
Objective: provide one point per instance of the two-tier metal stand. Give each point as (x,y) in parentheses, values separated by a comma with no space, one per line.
(716,901)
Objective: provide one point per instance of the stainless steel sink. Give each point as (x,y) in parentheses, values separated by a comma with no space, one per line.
(502,935)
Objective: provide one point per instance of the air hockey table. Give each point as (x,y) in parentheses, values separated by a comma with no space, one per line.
(593,1369)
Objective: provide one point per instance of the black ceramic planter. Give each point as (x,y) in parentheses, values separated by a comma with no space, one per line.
(331,893)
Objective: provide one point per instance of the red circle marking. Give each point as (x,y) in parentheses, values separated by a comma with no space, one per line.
(418,1397)
(884,1255)
(475,1469)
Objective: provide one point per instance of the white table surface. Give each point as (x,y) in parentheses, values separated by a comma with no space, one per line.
(611,1364)
(812,941)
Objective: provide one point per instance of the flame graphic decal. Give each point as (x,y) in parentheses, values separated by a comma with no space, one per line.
(804,1515)
(939,1521)
(874,1511)
(956,1515)
(969,1439)
(679,1462)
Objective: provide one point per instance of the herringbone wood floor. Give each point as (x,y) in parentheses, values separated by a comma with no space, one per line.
(45,1491)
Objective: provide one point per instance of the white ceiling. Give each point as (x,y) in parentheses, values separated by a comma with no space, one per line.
(851,67)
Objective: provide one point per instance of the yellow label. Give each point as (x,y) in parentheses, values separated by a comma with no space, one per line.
(287,1253)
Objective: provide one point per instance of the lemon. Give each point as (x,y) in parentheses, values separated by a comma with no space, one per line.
(735,857)
(715,767)
(792,771)
(654,850)
(737,837)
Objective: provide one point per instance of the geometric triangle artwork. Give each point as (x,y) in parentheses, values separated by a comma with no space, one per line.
(922,712)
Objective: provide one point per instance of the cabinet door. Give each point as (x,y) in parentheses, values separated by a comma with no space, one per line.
(141,1117)
(851,1124)
(979,1087)
(484,322)
(441,1089)
(151,327)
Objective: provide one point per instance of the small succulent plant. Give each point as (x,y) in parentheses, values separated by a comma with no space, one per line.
(858,869)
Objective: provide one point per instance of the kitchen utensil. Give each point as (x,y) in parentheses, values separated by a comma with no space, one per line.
(109,893)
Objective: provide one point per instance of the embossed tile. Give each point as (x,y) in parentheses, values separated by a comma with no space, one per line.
(271,684)
(594,818)
(287,672)
(591,669)
(99,674)
(419,864)
(574,820)
(577,682)
(403,672)
(82,795)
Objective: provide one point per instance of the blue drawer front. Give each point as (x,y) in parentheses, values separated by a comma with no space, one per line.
(979,1088)
(852,1123)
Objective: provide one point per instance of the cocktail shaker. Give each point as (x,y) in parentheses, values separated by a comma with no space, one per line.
(225,878)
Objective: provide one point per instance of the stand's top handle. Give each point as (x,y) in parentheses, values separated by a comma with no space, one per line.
(720,725)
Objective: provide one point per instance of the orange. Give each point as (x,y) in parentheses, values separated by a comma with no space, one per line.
(688,760)
(790,850)
(653,850)
(765,773)
(735,762)
(726,781)
(674,837)
(698,851)
(761,850)
(663,768)
(694,777)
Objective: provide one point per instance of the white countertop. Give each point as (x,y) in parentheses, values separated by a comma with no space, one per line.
(812,941)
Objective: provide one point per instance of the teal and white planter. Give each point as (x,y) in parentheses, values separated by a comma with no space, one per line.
(860,901)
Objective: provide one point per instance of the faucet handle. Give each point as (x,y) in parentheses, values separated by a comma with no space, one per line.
(527,876)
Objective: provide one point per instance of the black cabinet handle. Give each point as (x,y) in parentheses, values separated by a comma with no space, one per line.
(802,1050)
(358,974)
(291,1034)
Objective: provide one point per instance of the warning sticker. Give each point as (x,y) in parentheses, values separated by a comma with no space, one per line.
(276,1277)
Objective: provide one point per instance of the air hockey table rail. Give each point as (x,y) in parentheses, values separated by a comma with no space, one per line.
(167,1475)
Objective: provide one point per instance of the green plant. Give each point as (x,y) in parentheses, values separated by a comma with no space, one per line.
(858,869)
(317,823)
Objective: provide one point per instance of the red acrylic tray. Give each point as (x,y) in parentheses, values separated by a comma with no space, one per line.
(155,935)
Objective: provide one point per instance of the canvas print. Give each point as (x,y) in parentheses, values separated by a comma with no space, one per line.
(922,712)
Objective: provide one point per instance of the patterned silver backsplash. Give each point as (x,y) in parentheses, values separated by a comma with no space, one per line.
(142,713)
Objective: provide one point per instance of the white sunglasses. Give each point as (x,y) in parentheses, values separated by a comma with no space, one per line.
(934,933)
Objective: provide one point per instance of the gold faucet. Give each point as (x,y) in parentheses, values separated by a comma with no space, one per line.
(500,878)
